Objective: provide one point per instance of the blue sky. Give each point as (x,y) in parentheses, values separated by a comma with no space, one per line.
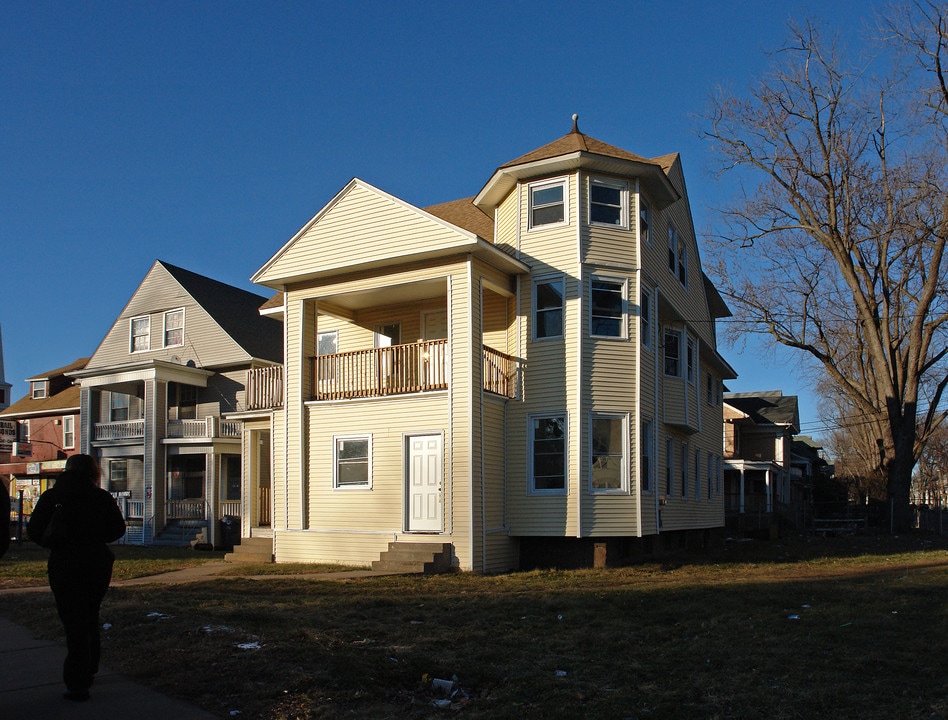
(206,133)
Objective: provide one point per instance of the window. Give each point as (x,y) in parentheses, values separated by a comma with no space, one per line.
(710,476)
(24,431)
(677,256)
(608,453)
(183,399)
(691,360)
(69,431)
(352,466)
(118,476)
(548,298)
(645,217)
(230,477)
(327,343)
(684,469)
(607,308)
(548,453)
(118,407)
(669,467)
(672,352)
(38,389)
(174,328)
(607,203)
(141,334)
(697,474)
(709,388)
(548,203)
(648,442)
(645,308)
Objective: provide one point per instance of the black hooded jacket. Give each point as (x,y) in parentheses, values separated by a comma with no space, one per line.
(93,518)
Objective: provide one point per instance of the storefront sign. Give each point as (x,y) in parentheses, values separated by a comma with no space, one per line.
(7,435)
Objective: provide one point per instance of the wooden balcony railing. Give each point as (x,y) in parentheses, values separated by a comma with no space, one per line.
(209,427)
(265,388)
(400,369)
(121,430)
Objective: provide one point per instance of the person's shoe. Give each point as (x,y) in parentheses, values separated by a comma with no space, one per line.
(76,695)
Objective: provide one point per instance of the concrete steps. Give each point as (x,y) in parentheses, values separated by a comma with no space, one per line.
(178,535)
(415,557)
(251,550)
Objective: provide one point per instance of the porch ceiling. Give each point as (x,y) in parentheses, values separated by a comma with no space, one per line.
(387,295)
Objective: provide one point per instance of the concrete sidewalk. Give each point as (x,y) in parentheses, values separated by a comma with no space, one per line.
(31,687)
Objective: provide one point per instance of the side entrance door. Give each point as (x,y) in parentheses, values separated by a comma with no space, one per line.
(424,483)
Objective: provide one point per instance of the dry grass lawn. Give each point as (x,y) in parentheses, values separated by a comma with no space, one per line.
(835,628)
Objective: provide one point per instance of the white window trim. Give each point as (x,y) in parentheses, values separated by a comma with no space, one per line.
(670,466)
(131,336)
(691,360)
(326,333)
(164,327)
(69,428)
(647,318)
(624,291)
(531,484)
(542,281)
(39,389)
(678,255)
(623,488)
(685,460)
(679,333)
(335,462)
(623,188)
(542,185)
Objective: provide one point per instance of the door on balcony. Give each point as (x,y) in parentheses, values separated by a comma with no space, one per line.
(385,337)
(424,483)
(434,326)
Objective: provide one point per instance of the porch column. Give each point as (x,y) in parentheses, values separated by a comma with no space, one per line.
(156,414)
(769,491)
(742,491)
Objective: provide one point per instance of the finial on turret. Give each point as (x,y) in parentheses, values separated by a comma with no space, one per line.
(575,124)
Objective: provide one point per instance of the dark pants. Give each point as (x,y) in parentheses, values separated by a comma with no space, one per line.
(79,586)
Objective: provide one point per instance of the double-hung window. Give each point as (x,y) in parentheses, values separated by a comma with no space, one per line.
(352,461)
(69,431)
(684,469)
(669,467)
(174,328)
(692,361)
(548,303)
(609,459)
(645,219)
(118,476)
(697,474)
(607,307)
(608,201)
(548,203)
(140,334)
(118,407)
(547,453)
(672,352)
(38,389)
(677,255)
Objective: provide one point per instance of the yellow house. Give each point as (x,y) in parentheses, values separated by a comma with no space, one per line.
(529,376)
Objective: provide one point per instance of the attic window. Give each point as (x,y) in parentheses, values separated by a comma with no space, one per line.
(548,203)
(174,328)
(38,389)
(140,334)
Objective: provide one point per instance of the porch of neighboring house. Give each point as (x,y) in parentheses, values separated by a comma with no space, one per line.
(750,504)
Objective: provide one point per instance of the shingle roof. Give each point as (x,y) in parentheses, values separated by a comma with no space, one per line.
(766,408)
(236,311)
(466,215)
(575,141)
(56,403)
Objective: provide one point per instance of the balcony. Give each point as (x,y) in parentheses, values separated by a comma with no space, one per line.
(265,388)
(209,427)
(119,430)
(401,369)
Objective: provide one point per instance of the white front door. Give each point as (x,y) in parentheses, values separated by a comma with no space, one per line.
(425,475)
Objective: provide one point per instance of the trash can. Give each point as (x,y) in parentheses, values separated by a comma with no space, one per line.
(230,532)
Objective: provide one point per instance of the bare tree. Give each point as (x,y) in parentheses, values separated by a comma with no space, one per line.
(837,247)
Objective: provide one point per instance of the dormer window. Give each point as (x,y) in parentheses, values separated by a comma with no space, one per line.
(607,203)
(140,334)
(548,203)
(38,389)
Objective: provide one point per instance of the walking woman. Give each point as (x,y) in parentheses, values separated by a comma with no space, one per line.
(76,519)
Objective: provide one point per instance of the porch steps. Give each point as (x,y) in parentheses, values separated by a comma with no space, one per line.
(178,535)
(251,550)
(415,557)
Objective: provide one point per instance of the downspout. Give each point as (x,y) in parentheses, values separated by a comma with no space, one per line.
(636,432)
(286,419)
(658,378)
(480,395)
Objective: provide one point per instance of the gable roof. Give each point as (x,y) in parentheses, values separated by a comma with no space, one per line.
(769,407)
(55,403)
(236,311)
(577,150)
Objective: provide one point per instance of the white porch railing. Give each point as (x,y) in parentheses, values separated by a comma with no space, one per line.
(209,427)
(230,507)
(122,430)
(186,510)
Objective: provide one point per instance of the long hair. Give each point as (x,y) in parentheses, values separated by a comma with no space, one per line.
(85,466)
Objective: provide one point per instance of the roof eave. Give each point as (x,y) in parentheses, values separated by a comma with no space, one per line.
(660,189)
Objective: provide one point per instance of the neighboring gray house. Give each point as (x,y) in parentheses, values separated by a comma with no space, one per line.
(153,395)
